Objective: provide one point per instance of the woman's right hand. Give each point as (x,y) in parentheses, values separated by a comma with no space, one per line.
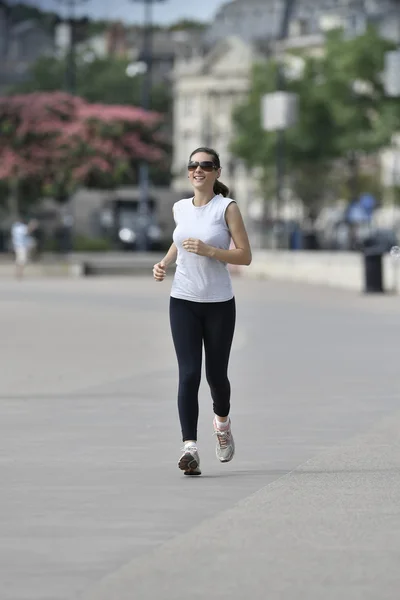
(159,271)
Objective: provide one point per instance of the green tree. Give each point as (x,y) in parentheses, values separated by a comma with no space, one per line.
(52,143)
(352,80)
(343,113)
(185,24)
(101,80)
(104,81)
(19,12)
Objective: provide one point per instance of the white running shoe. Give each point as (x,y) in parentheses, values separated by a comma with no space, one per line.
(225,448)
(189,462)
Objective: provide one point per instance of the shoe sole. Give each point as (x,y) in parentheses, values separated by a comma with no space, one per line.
(225,460)
(189,465)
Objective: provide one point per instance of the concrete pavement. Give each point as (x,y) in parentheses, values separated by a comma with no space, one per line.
(92,504)
(81,264)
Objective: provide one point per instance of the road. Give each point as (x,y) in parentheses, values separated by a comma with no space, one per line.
(92,505)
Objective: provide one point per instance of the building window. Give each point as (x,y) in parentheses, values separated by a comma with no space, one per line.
(299,27)
(354,23)
(373,6)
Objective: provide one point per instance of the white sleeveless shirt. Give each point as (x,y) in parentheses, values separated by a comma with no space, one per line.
(199,278)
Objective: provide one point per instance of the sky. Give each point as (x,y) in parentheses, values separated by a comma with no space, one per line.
(164,13)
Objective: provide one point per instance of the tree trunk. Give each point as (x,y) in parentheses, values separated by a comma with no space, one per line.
(13,200)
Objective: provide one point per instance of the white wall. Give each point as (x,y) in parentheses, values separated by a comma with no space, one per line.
(335,269)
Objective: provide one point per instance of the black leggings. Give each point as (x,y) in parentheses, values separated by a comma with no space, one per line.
(193,323)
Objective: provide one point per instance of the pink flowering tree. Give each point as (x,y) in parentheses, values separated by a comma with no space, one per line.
(53,143)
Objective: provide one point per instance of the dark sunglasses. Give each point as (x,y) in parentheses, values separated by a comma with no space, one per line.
(205,165)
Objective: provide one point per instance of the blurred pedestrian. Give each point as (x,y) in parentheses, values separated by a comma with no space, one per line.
(202,303)
(22,242)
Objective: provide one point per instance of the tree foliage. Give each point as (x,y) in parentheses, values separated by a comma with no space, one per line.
(343,112)
(54,142)
(18,12)
(101,80)
(185,24)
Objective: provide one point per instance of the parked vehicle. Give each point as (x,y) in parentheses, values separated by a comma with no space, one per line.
(128,229)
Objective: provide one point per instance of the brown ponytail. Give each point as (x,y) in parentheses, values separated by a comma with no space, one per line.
(219,187)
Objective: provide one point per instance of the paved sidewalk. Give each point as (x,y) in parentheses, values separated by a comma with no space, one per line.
(92,503)
(329,529)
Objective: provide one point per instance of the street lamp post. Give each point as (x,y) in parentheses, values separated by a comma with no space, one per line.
(280,84)
(279,109)
(147,59)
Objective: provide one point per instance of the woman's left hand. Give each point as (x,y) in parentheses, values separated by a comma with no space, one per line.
(197,247)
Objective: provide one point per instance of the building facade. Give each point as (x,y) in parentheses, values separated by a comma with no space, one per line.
(206,90)
(210,84)
(261,19)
